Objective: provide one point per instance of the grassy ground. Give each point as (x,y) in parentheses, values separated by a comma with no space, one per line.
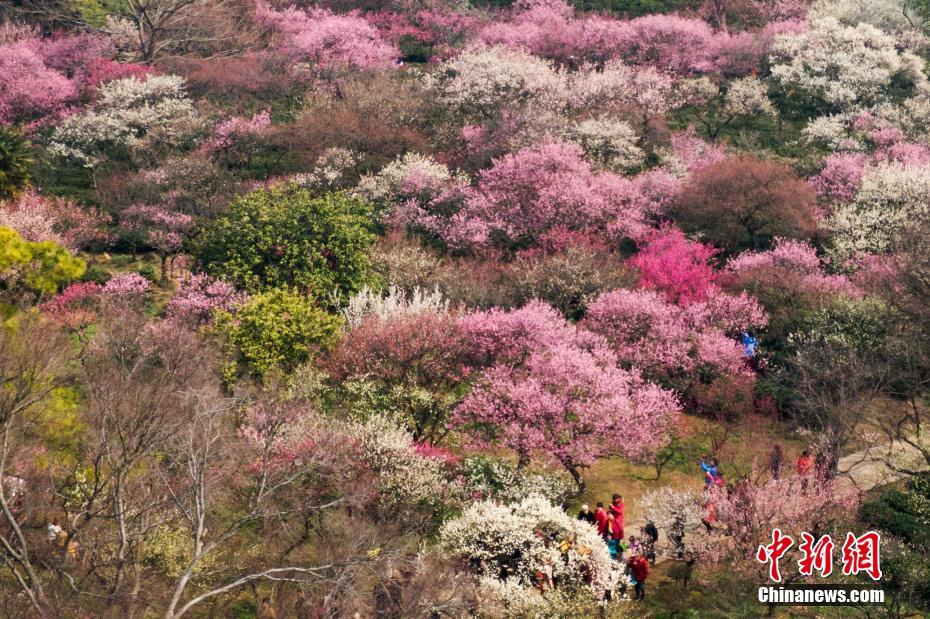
(742,449)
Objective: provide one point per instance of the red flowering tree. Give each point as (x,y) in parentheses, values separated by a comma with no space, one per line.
(676,266)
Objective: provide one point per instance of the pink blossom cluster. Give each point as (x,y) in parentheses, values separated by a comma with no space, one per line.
(437,30)
(528,193)
(679,45)
(549,386)
(74,307)
(694,154)
(199,295)
(327,41)
(103,70)
(28,88)
(126,285)
(841,176)
(38,218)
(649,332)
(233,129)
(39,77)
(790,260)
(163,228)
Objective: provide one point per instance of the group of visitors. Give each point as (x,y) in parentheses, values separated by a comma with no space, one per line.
(820,467)
(630,556)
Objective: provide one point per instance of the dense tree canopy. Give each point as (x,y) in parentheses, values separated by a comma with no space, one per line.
(285,237)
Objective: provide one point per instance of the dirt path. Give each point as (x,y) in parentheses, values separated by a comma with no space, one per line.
(868,468)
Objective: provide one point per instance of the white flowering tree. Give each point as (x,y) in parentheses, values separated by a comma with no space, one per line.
(395,302)
(608,142)
(478,83)
(406,477)
(842,66)
(891,196)
(742,99)
(900,17)
(128,114)
(519,542)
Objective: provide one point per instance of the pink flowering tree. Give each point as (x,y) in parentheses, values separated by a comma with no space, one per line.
(666,42)
(128,286)
(161,228)
(793,263)
(325,42)
(234,139)
(426,34)
(548,388)
(40,218)
(546,28)
(29,89)
(198,296)
(676,266)
(743,519)
(525,194)
(75,307)
(686,349)
(78,306)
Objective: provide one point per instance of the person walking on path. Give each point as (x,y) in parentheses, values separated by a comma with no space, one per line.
(640,569)
(804,465)
(776,459)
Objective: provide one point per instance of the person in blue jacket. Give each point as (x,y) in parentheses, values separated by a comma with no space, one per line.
(710,470)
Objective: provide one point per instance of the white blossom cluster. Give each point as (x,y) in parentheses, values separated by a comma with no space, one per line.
(405,477)
(479,82)
(896,17)
(665,505)
(747,97)
(524,539)
(127,112)
(890,197)
(697,90)
(616,83)
(411,176)
(608,142)
(832,131)
(368,302)
(491,478)
(330,169)
(845,66)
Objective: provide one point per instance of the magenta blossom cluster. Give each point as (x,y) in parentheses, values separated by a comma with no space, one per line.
(199,295)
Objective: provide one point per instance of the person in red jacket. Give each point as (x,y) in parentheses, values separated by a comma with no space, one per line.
(804,464)
(600,518)
(639,566)
(616,508)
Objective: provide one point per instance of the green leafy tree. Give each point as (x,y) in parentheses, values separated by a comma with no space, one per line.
(35,267)
(286,237)
(278,329)
(15,162)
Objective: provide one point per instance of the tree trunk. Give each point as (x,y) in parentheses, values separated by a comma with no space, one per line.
(576,476)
